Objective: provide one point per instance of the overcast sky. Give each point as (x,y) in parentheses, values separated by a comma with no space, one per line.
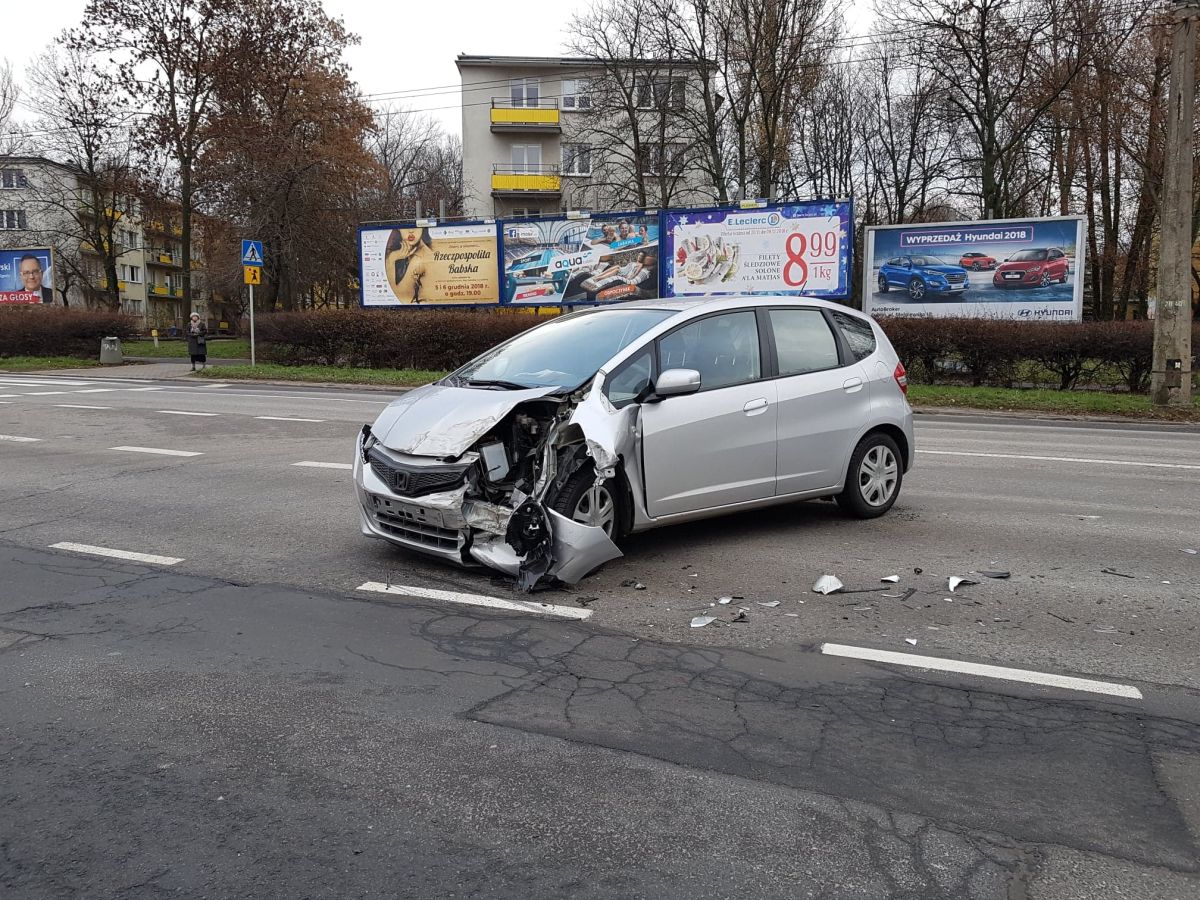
(406,47)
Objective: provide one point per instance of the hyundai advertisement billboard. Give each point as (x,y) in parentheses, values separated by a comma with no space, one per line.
(1025,269)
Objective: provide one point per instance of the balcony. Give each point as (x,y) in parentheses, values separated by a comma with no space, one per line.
(525,179)
(525,115)
(162,259)
(158,290)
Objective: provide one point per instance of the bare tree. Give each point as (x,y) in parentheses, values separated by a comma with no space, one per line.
(422,166)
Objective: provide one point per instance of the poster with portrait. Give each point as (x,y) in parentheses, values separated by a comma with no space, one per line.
(1023,269)
(440,265)
(591,259)
(27,275)
(793,249)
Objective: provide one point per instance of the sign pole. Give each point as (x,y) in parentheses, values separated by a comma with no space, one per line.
(253,361)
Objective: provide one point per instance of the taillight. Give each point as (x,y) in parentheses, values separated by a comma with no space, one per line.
(901,378)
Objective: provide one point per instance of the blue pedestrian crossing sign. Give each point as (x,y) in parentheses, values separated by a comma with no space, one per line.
(252,253)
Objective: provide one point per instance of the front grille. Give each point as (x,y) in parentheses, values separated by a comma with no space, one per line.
(408,527)
(956,279)
(415,481)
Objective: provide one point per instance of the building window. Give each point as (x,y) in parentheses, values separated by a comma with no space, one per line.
(13,178)
(661,93)
(525,91)
(526,212)
(575,94)
(132,274)
(13,219)
(527,158)
(662,159)
(576,159)
(129,238)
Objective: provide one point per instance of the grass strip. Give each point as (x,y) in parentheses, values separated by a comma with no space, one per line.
(329,374)
(217,349)
(29,363)
(1097,403)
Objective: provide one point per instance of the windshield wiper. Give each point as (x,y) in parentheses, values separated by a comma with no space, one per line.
(506,385)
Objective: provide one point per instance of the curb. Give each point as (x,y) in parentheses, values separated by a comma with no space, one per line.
(968,412)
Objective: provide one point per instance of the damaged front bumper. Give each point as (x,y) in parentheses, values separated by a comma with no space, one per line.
(528,540)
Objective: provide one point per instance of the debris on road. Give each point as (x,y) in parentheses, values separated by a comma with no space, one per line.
(770,604)
(701,621)
(1115,572)
(918,570)
(827,584)
(912,641)
(633,583)
(890,579)
(994,573)
(724,600)
(1189,551)
(954,581)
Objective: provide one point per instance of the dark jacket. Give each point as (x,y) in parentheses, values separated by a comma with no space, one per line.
(196,341)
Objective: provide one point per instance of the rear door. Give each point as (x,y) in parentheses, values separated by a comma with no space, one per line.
(824,398)
(717,446)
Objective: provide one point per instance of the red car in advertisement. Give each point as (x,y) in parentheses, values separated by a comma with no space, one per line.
(976,261)
(1033,268)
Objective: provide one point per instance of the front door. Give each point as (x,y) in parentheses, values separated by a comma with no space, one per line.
(717,446)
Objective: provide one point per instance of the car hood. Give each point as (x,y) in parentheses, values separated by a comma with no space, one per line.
(444,421)
(944,270)
(1021,265)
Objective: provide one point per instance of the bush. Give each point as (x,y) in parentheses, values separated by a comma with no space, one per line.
(920,343)
(1067,349)
(55,331)
(397,339)
(1128,348)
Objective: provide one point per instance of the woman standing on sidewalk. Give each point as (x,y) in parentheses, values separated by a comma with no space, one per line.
(197,341)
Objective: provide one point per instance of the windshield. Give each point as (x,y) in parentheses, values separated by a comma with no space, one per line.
(563,353)
(928,261)
(1028,256)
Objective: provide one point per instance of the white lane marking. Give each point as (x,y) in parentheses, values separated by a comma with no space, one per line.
(528,606)
(5,402)
(97,391)
(42,382)
(215,386)
(286,419)
(78,406)
(273,395)
(157,450)
(1003,673)
(17,439)
(117,554)
(43,393)
(143,389)
(320,465)
(180,412)
(1066,459)
(10,395)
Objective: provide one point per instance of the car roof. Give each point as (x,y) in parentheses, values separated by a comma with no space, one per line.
(735,301)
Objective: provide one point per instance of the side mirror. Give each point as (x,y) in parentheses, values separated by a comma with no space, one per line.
(675,382)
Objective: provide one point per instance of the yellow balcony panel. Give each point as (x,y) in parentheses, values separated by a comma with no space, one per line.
(520,115)
(158,289)
(539,183)
(178,292)
(120,285)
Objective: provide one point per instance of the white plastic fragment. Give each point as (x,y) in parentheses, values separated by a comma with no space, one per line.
(912,641)
(701,621)
(1189,551)
(724,600)
(770,604)
(891,579)
(827,584)
(954,581)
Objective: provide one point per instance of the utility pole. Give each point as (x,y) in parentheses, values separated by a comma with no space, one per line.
(1171,377)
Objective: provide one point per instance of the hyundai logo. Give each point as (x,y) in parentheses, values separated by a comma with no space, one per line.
(1024,313)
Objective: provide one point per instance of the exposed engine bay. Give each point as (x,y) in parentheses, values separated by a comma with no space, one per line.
(498,490)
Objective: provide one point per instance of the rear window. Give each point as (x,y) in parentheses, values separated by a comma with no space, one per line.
(858,333)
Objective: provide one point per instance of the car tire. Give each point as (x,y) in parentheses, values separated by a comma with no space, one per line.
(916,289)
(581,501)
(883,285)
(976,266)
(873,478)
(1046,280)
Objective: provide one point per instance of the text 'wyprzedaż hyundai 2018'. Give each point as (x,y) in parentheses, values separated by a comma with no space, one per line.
(537,456)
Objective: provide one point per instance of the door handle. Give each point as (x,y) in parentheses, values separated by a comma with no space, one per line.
(850,385)
(755,406)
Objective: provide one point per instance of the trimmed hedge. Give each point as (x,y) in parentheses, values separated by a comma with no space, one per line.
(1000,353)
(391,339)
(55,331)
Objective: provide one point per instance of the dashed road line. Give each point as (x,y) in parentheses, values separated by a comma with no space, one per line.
(17,439)
(157,450)
(117,554)
(1066,459)
(181,412)
(1003,673)
(142,389)
(97,391)
(527,606)
(286,419)
(309,464)
(78,406)
(43,393)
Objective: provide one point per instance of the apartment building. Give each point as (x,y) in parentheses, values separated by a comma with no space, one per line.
(541,135)
(44,203)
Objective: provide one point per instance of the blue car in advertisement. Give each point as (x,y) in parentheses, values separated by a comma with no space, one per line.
(921,275)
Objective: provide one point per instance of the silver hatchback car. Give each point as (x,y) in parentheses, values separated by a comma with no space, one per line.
(537,456)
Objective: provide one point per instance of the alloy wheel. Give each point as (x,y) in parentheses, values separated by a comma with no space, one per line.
(878,475)
(596,508)
(916,289)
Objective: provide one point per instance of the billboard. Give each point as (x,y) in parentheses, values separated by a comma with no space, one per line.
(596,259)
(1030,269)
(795,248)
(407,265)
(27,275)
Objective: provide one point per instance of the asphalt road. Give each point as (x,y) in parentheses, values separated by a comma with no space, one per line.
(246,722)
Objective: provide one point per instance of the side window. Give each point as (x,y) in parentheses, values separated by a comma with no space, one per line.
(894,261)
(723,349)
(858,334)
(633,377)
(803,341)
